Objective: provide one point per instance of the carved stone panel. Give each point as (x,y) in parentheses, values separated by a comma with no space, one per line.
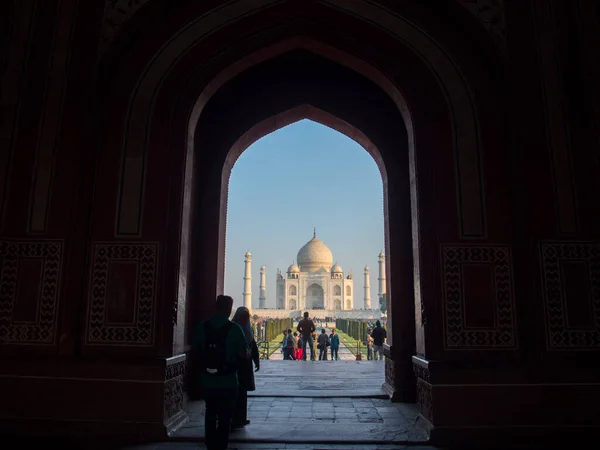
(424,400)
(30,274)
(134,299)
(174,412)
(571,283)
(478,300)
(116,13)
(491,15)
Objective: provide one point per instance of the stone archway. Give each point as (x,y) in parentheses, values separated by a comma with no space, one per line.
(173,106)
(315,296)
(337,304)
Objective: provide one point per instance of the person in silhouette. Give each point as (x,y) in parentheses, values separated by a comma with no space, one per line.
(379,334)
(246,370)
(306,327)
(221,348)
(334,340)
(322,344)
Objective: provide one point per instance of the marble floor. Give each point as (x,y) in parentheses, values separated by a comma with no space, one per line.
(278,378)
(334,420)
(327,402)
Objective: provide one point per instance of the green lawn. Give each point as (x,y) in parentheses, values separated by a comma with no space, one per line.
(350,343)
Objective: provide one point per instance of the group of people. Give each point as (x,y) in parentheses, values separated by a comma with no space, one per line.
(294,344)
(225,357)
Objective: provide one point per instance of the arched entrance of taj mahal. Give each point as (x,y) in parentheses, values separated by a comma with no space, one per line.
(117,165)
(315,296)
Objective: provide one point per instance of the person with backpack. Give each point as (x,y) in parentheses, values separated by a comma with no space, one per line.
(246,371)
(322,344)
(334,339)
(220,346)
(289,345)
(284,349)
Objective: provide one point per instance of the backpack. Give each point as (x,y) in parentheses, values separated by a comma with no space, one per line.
(289,341)
(214,360)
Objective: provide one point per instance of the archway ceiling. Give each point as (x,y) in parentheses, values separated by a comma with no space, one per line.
(117,13)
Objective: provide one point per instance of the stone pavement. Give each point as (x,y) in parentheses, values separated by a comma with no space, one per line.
(318,420)
(318,401)
(320,379)
(278,446)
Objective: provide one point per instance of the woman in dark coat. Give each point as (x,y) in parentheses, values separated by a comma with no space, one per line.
(246,371)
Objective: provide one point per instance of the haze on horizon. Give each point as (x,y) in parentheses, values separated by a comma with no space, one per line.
(303,176)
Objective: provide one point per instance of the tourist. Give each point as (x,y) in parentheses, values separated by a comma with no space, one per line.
(334,339)
(322,344)
(284,345)
(246,371)
(306,327)
(369,344)
(298,346)
(289,345)
(379,334)
(221,348)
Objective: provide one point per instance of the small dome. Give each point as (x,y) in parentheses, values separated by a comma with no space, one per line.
(293,269)
(263,268)
(381,255)
(337,269)
(366,268)
(248,254)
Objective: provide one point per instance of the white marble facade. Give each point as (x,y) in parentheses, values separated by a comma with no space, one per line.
(314,282)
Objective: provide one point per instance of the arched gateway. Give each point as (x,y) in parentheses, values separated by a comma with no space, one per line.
(113,212)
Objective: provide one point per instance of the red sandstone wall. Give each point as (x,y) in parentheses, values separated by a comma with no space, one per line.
(507,257)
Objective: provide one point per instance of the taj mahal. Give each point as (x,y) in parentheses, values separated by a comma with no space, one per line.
(315,284)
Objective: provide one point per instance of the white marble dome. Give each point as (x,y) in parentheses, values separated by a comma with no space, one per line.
(337,269)
(293,269)
(314,256)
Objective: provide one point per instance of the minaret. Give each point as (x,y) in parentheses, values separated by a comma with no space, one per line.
(381,278)
(367,288)
(248,282)
(262,287)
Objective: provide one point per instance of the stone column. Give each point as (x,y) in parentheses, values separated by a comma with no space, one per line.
(262,287)
(247,294)
(381,278)
(367,288)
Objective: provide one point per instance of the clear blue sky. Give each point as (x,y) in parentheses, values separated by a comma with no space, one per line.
(302,176)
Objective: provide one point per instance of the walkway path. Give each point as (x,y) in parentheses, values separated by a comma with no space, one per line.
(319,402)
(278,378)
(318,420)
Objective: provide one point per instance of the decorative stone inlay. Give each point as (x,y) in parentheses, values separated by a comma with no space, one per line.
(422,373)
(424,399)
(390,370)
(457,335)
(558,334)
(174,387)
(43,330)
(116,13)
(491,15)
(141,333)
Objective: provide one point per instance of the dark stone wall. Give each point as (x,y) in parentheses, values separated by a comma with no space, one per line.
(112,222)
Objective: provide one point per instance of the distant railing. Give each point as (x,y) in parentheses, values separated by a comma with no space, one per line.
(265,348)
